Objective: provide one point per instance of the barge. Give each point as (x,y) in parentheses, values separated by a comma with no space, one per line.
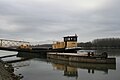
(89,58)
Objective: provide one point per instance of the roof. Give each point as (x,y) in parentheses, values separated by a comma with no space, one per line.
(70,36)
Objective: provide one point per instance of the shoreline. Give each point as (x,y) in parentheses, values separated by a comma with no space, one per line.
(7,72)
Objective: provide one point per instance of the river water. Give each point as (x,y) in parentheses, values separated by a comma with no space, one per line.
(36,68)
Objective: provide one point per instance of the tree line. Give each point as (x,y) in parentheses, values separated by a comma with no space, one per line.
(101,43)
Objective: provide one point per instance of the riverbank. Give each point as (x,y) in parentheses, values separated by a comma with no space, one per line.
(7,72)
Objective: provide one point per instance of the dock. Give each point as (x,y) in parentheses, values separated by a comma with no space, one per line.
(74,57)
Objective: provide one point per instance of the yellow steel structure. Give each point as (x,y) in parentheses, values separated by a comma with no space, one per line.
(69,42)
(57,45)
(24,46)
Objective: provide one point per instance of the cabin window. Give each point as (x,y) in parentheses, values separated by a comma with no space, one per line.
(65,39)
(74,39)
(70,38)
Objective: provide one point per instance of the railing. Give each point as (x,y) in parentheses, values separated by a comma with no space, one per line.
(11,43)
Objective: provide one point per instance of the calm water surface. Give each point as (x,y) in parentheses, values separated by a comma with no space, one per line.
(42,69)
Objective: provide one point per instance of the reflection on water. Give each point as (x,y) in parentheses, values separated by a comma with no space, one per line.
(40,68)
(70,69)
(63,65)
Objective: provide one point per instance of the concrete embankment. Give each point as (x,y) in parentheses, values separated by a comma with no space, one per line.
(7,72)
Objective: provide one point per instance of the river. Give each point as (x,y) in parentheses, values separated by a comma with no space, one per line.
(36,68)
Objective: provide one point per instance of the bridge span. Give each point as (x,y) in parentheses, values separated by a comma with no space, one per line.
(11,45)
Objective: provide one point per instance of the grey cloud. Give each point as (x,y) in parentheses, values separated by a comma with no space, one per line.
(42,20)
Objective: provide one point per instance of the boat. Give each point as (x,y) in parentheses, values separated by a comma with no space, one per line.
(68,45)
(89,58)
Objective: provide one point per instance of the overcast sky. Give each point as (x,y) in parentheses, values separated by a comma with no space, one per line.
(42,20)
